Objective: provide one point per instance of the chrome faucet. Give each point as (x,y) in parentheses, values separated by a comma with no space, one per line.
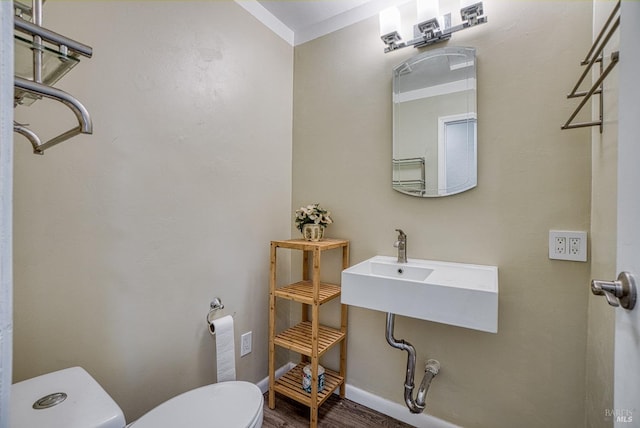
(401,245)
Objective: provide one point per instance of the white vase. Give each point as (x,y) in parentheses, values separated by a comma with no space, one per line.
(312,232)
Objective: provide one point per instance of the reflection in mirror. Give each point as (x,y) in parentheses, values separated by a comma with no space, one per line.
(434,123)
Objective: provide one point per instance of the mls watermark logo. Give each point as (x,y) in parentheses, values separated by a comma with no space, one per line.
(619,415)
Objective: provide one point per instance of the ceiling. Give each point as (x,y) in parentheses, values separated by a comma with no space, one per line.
(301,14)
(298,21)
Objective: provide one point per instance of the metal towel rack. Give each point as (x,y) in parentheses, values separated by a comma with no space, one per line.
(413,185)
(594,55)
(40,86)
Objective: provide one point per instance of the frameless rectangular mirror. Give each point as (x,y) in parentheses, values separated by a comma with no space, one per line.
(434,123)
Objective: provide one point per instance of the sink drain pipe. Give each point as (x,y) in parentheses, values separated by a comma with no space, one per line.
(430,371)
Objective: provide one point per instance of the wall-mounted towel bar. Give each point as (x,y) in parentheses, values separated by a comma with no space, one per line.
(38,83)
(596,55)
(52,37)
(85,125)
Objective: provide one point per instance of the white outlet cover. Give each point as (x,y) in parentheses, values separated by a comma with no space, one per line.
(572,252)
(245,344)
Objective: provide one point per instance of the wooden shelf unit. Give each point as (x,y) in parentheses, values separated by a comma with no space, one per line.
(308,338)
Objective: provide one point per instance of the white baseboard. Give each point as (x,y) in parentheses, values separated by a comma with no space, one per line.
(264,383)
(379,404)
(395,410)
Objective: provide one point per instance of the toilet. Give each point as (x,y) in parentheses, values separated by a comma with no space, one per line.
(71,398)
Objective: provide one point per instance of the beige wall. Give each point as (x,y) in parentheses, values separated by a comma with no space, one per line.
(533,177)
(599,381)
(123,238)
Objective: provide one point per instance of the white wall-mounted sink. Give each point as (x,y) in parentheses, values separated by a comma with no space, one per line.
(458,294)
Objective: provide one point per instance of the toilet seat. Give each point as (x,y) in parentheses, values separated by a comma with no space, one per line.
(234,404)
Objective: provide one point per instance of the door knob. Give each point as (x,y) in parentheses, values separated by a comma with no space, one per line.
(621,292)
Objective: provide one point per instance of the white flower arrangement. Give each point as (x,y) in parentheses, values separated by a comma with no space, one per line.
(313,214)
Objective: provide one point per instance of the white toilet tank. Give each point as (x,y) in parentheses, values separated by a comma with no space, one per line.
(68,398)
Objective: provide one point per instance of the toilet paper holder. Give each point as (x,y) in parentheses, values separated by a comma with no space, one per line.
(215,305)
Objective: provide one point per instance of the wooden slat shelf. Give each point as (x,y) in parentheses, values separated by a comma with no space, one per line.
(290,385)
(301,244)
(302,292)
(298,338)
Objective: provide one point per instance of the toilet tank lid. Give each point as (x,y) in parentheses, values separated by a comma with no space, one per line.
(86,404)
(235,404)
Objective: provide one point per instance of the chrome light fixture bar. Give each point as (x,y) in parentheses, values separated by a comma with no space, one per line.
(429,31)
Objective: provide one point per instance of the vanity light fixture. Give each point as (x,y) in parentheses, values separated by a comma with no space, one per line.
(431,27)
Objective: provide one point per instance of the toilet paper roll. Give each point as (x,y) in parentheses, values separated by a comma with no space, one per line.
(225,348)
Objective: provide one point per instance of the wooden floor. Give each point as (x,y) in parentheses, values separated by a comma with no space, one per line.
(333,413)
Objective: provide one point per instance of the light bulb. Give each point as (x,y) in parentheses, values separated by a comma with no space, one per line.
(427,9)
(389,21)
